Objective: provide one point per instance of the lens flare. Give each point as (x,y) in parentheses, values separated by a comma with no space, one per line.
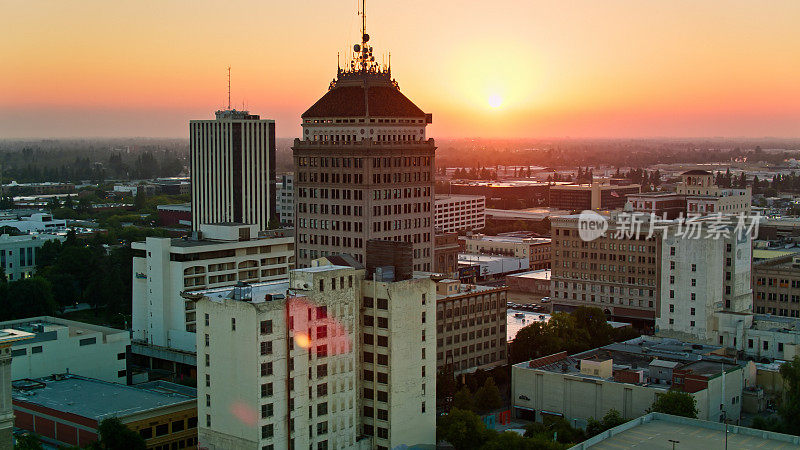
(302,340)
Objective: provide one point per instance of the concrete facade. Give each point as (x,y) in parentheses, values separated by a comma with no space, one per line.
(64,346)
(537,250)
(221,256)
(559,385)
(331,361)
(620,275)
(18,253)
(8,337)
(285,199)
(470,326)
(233,169)
(454,213)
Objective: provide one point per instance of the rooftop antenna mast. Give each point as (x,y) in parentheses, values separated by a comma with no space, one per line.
(364,35)
(229,88)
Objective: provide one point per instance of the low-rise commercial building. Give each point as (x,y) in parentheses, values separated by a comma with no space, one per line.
(470,326)
(537,250)
(18,253)
(591,196)
(64,346)
(505,194)
(65,410)
(171,215)
(459,213)
(628,377)
(483,267)
(535,282)
(7,339)
(37,223)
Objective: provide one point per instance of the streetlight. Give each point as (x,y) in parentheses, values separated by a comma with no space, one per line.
(673,443)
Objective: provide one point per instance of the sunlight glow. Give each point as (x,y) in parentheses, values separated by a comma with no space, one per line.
(495,101)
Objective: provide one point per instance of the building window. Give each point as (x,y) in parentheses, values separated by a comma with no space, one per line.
(267,410)
(267,431)
(233,324)
(266,369)
(266,348)
(162,430)
(87,341)
(266,327)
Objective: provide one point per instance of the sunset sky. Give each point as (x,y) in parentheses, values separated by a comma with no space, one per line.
(516,69)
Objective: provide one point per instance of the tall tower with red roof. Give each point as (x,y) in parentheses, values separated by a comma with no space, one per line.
(364,167)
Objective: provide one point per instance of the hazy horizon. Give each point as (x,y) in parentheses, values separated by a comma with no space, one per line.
(516,69)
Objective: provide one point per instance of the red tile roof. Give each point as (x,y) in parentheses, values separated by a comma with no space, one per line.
(351,101)
(547,360)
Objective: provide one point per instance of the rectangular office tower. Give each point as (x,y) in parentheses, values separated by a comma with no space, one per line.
(233,169)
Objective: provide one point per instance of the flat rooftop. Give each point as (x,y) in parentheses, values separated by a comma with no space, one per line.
(257,291)
(480,258)
(9,336)
(541,274)
(45,328)
(509,239)
(468,288)
(638,354)
(654,431)
(95,399)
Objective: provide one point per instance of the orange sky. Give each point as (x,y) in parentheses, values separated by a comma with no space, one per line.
(580,68)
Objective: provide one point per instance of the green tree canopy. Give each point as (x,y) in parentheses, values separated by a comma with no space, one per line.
(114,435)
(463,400)
(487,398)
(676,403)
(461,428)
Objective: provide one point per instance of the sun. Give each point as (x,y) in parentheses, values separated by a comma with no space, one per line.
(495,101)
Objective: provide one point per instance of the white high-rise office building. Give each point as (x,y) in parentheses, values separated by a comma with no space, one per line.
(233,169)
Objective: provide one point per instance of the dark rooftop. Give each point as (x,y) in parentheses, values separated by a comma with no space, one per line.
(382,100)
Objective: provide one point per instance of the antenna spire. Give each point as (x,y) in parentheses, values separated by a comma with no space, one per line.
(229,88)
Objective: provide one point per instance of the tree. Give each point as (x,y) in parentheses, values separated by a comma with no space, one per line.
(462,429)
(676,403)
(114,435)
(27,297)
(790,410)
(463,400)
(28,441)
(612,419)
(487,398)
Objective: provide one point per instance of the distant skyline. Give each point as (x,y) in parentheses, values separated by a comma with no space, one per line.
(507,69)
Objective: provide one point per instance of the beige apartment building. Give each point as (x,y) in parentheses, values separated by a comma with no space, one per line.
(622,276)
(470,326)
(776,286)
